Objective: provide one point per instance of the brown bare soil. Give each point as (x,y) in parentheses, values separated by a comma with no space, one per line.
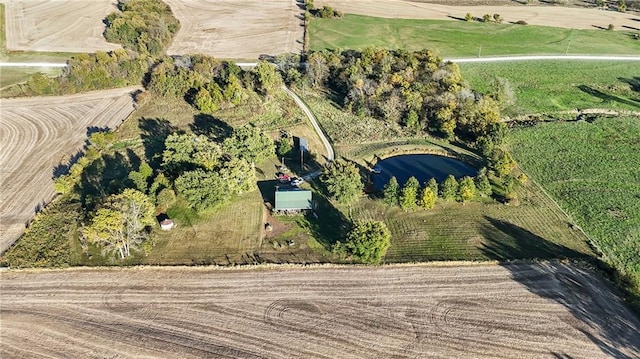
(237,29)
(36,133)
(557,16)
(486,311)
(57,25)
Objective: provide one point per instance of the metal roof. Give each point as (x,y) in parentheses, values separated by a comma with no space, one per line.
(292,199)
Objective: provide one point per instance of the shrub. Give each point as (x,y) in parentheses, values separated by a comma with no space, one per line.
(487,18)
(611,27)
(468,17)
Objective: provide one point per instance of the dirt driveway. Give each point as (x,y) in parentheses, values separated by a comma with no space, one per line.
(487,311)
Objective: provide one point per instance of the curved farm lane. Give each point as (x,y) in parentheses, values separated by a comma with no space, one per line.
(482,311)
(307,111)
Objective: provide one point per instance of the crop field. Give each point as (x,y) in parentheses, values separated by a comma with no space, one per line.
(592,170)
(237,30)
(57,26)
(542,86)
(41,133)
(487,311)
(468,39)
(555,16)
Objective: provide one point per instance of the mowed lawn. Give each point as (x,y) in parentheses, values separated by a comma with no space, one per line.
(465,39)
(593,171)
(556,85)
(535,228)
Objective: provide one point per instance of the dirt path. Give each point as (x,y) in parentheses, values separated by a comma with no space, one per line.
(311,117)
(488,311)
(35,134)
(557,16)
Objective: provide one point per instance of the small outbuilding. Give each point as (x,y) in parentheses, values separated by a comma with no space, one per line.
(292,199)
(167,224)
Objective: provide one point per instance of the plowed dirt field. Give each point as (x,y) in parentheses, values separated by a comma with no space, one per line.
(556,16)
(237,29)
(35,134)
(478,311)
(57,25)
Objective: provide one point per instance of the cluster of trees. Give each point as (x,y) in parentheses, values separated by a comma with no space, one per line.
(207,174)
(144,26)
(486,18)
(86,72)
(325,12)
(411,195)
(417,89)
(210,84)
(366,242)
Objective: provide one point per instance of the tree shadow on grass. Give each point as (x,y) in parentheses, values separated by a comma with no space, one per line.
(326,223)
(154,132)
(607,97)
(596,311)
(212,127)
(505,241)
(105,176)
(634,83)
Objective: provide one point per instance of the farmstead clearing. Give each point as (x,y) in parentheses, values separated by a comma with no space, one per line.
(485,311)
(40,132)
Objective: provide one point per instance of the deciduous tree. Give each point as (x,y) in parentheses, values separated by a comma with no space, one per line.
(409,194)
(466,189)
(121,224)
(367,241)
(343,181)
(427,198)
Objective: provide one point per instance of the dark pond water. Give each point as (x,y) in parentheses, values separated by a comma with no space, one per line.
(422,167)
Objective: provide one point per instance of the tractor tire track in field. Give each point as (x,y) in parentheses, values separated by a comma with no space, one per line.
(482,311)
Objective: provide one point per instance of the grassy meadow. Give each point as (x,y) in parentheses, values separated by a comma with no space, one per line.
(465,39)
(593,170)
(556,85)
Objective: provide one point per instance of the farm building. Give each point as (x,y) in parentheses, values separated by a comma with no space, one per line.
(289,199)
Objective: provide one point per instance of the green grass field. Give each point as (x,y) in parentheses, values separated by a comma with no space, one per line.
(554,85)
(464,39)
(593,170)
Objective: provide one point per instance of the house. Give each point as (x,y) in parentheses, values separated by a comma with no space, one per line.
(291,199)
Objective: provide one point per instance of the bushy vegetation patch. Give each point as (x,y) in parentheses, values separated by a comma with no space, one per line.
(144,26)
(591,169)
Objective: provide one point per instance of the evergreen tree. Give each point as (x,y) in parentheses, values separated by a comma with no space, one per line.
(449,188)
(409,194)
(482,183)
(426,198)
(391,192)
(433,185)
(466,189)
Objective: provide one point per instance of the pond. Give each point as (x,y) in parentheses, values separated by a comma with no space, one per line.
(421,166)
